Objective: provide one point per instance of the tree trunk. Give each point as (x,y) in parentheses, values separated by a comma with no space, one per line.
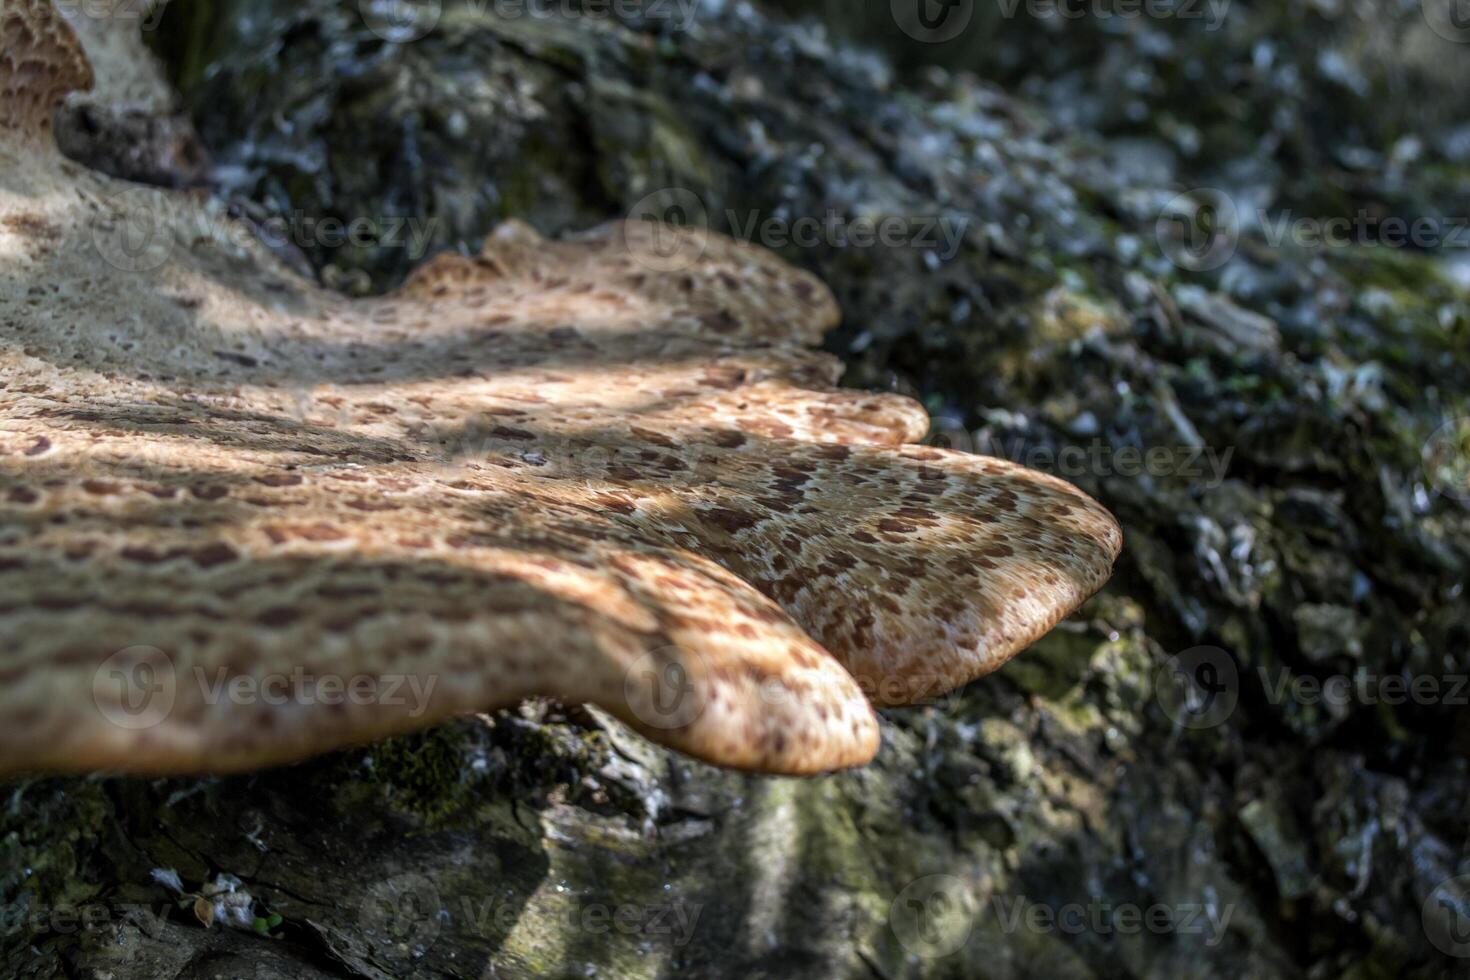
(1074,815)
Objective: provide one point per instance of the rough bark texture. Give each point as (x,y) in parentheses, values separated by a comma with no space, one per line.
(1287,837)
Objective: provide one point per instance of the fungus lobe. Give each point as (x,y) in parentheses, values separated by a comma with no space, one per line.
(269,521)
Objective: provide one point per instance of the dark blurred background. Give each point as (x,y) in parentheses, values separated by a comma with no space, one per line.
(1314,105)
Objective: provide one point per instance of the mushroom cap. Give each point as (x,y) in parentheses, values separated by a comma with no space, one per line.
(244,520)
(40,63)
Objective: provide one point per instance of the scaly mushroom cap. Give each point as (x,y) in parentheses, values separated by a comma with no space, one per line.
(607,470)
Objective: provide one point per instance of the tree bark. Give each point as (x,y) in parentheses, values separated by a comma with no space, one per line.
(1054,820)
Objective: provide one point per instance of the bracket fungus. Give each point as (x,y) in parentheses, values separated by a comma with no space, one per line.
(598,469)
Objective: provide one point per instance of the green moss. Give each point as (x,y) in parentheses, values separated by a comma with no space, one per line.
(48,829)
(429,775)
(1055,665)
(1412,277)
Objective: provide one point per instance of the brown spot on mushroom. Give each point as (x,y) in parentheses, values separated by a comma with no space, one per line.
(728,439)
(214,555)
(730,521)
